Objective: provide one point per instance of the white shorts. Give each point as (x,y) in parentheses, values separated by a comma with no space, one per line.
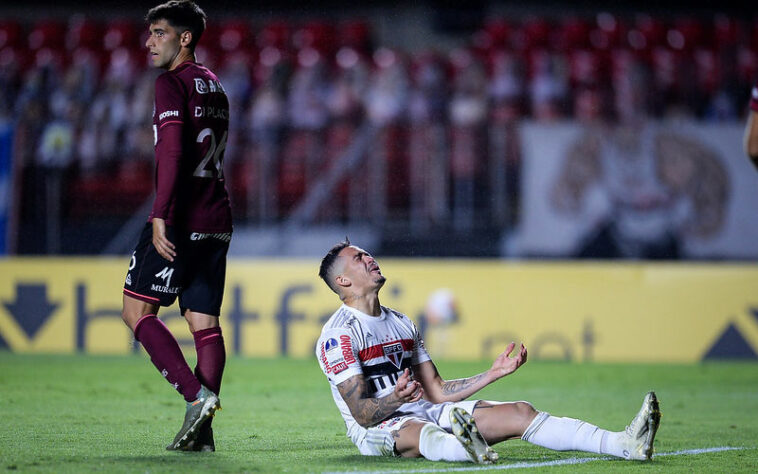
(379,441)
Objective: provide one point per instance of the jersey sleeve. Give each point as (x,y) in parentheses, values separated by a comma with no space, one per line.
(169,117)
(419,349)
(338,355)
(170,101)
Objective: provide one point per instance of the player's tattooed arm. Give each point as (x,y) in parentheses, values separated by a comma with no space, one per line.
(438,390)
(366,410)
(454,388)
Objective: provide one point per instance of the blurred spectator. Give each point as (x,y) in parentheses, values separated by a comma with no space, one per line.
(388,91)
(350,84)
(507,82)
(306,108)
(547,85)
(468,113)
(429,91)
(54,158)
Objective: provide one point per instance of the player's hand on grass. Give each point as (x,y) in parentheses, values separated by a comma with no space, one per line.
(408,390)
(505,364)
(161,243)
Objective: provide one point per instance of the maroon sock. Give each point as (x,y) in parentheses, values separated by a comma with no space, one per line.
(166,355)
(211,357)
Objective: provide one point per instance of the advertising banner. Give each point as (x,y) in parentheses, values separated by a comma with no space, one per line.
(466,309)
(678,189)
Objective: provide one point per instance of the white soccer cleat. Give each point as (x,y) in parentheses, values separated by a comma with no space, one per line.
(464,428)
(641,431)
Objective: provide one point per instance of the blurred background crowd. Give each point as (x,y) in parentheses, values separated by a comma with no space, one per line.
(409,125)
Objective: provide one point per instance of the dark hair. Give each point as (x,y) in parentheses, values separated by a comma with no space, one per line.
(181,14)
(327,262)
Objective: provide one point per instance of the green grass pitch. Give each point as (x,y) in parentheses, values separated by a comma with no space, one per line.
(116,414)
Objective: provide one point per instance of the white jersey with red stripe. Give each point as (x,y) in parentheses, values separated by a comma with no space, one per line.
(378,348)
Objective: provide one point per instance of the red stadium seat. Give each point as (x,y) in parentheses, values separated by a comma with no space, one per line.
(609,32)
(49,58)
(228,36)
(122,33)
(585,68)
(708,73)
(10,34)
(754,36)
(317,35)
(747,65)
(275,35)
(14,60)
(573,33)
(497,34)
(292,169)
(688,34)
(648,33)
(728,32)
(537,33)
(47,33)
(83,33)
(356,34)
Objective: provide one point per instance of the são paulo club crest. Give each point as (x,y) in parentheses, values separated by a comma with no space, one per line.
(394,352)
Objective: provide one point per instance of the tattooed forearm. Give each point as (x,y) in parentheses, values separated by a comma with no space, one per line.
(349,388)
(366,410)
(375,410)
(455,387)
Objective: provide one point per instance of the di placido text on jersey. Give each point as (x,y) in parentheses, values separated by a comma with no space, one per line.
(212,112)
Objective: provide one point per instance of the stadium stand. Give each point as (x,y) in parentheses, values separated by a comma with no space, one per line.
(80,91)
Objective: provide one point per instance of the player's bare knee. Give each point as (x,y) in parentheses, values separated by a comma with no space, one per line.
(407,439)
(129,316)
(125,317)
(526,412)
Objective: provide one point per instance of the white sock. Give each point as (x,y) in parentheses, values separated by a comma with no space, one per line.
(569,434)
(436,444)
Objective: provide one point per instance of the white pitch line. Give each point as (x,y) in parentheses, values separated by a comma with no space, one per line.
(557,462)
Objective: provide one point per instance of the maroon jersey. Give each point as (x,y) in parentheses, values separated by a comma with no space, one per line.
(754,98)
(190,125)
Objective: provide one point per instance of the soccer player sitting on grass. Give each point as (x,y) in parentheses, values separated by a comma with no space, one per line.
(395,403)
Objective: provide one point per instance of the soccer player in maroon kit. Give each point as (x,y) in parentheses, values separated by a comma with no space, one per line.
(182,249)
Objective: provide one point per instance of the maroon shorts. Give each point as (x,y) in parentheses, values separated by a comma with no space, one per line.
(196,276)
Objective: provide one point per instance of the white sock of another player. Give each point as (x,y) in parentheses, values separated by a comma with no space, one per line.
(436,444)
(569,434)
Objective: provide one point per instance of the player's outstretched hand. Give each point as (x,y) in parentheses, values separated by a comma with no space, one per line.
(408,390)
(505,364)
(161,243)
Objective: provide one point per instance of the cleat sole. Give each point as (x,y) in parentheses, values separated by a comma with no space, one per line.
(465,430)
